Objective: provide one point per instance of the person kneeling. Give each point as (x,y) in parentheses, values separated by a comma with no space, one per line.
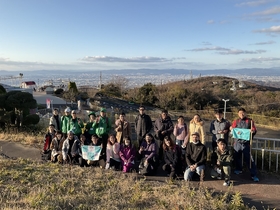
(56,147)
(95,141)
(221,161)
(171,155)
(112,154)
(127,154)
(148,163)
(195,158)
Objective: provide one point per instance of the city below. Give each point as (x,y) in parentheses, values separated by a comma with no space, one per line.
(135,78)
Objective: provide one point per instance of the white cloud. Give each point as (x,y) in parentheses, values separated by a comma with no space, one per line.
(210,22)
(272,11)
(227,51)
(264,43)
(254,3)
(271,30)
(111,59)
(261,59)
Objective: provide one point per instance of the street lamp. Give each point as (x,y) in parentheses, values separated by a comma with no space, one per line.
(225,100)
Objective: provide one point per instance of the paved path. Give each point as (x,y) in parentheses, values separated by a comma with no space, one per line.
(41,97)
(263,194)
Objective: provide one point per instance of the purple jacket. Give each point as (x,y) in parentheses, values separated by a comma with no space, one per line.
(149,150)
(127,154)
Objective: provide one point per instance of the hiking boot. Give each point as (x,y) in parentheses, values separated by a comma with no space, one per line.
(255,179)
(226,183)
(237,172)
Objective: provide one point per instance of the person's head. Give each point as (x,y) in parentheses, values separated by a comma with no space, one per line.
(74,114)
(167,143)
(102,112)
(122,116)
(94,139)
(181,120)
(218,114)
(58,134)
(70,135)
(55,111)
(127,141)
(67,111)
(82,138)
(164,114)
(91,116)
(195,137)
(51,128)
(221,144)
(196,118)
(241,113)
(111,139)
(141,110)
(149,138)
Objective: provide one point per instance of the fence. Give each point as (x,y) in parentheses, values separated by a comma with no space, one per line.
(267,147)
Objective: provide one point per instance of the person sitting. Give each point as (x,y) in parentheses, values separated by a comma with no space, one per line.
(148,152)
(221,160)
(127,155)
(195,158)
(56,147)
(112,153)
(95,141)
(171,156)
(46,153)
(71,149)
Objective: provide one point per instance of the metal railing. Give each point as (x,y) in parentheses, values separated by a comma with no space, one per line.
(267,146)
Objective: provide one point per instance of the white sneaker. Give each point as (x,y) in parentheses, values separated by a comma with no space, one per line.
(226,183)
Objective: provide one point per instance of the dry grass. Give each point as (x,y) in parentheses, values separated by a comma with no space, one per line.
(24,138)
(25,184)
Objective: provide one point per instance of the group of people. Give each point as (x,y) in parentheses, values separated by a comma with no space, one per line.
(180,148)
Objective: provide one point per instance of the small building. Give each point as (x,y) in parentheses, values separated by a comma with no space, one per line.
(28,84)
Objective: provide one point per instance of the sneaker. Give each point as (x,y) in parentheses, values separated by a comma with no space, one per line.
(237,172)
(226,183)
(255,179)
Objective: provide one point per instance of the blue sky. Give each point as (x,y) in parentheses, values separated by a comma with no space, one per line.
(130,34)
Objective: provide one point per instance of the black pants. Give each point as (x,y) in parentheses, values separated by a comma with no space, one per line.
(170,170)
(115,164)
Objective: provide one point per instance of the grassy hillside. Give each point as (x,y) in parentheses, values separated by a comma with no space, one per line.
(31,185)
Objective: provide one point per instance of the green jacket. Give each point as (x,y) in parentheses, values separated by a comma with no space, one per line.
(75,126)
(65,123)
(103,126)
(90,129)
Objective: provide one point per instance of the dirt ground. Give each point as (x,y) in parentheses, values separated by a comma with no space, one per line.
(262,195)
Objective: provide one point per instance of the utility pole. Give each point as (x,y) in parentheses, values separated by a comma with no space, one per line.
(225,108)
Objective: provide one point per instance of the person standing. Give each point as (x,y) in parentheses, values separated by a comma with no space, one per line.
(76,124)
(90,130)
(65,122)
(242,146)
(163,127)
(123,129)
(103,127)
(143,125)
(197,125)
(219,128)
(196,155)
(181,131)
(55,119)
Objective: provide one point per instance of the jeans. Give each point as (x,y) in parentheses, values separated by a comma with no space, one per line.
(189,174)
(245,149)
